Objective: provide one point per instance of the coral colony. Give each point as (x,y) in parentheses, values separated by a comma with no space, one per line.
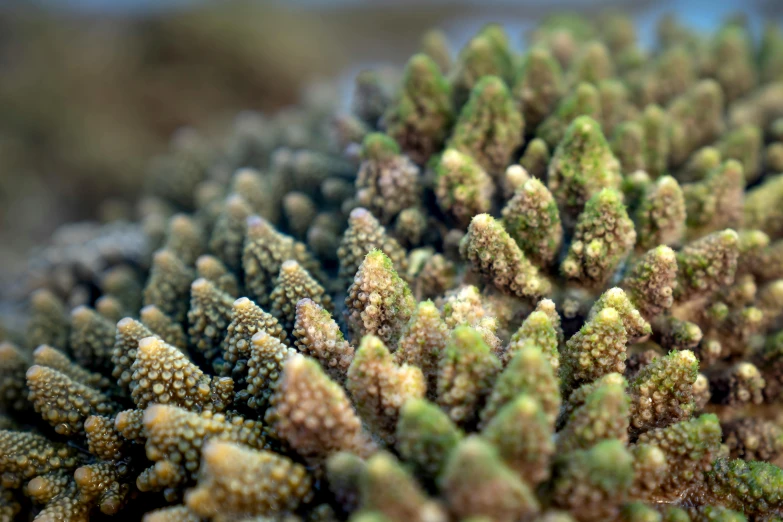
(509,287)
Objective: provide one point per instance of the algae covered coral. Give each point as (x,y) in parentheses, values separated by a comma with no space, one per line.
(512,287)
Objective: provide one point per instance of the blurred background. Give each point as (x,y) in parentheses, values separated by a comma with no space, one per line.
(90,90)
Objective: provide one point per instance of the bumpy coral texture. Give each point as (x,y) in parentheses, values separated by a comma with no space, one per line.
(541,287)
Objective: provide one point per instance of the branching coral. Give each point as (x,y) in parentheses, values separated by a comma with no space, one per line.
(271,482)
(540,287)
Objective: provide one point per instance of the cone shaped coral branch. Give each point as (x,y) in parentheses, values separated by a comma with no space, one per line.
(379,302)
(493,254)
(312,414)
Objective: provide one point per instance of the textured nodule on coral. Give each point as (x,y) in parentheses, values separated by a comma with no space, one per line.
(264,252)
(385,480)
(238,481)
(423,342)
(489,127)
(13,388)
(344,472)
(247,319)
(705,265)
(425,437)
(63,402)
(312,414)
(476,482)
(744,145)
(421,115)
(596,350)
(538,330)
(363,235)
(370,97)
(530,372)
(649,466)
(104,484)
(66,504)
(752,247)
(267,357)
(229,232)
(522,433)
(636,328)
(379,387)
(579,395)
(465,305)
(531,218)
(737,385)
(486,54)
(583,100)
(762,208)
(44,488)
(660,218)
(655,125)
(175,438)
(299,210)
(160,324)
(493,254)
(581,166)
(317,334)
(592,483)
(25,455)
(538,84)
(411,226)
(695,119)
(109,307)
(716,202)
(689,448)
(603,238)
(628,147)
(48,322)
(535,159)
(294,283)
(379,302)
(753,439)
(467,369)
(208,317)
(92,339)
(662,391)
(435,44)
(168,285)
(513,177)
(616,106)
(161,374)
(258,191)
(175,175)
(47,356)
(387,181)
(462,188)
(591,64)
(126,344)
(130,424)
(679,335)
(649,283)
(103,439)
(185,238)
(754,488)
(603,415)
(213,270)
(700,164)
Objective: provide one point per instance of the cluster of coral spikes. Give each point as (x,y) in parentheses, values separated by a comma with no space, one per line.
(535,287)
